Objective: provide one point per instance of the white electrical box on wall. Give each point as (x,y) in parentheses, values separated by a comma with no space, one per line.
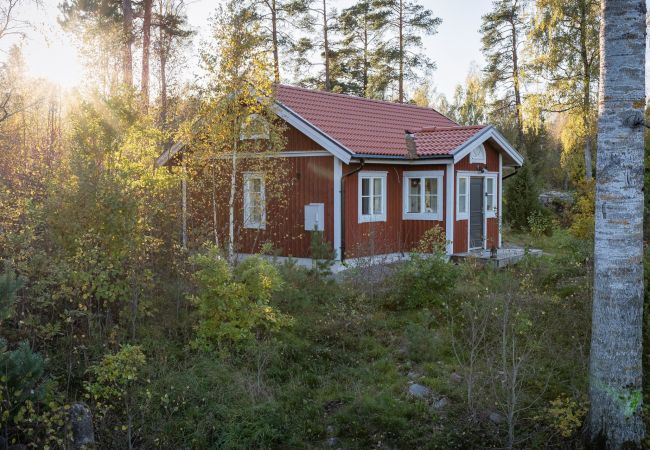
(315,217)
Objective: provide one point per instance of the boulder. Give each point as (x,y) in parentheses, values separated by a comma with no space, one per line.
(440,403)
(455,377)
(495,417)
(81,423)
(419,390)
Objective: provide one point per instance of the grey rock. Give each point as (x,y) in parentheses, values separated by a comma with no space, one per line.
(455,377)
(329,430)
(332,442)
(413,375)
(81,422)
(418,390)
(495,417)
(440,403)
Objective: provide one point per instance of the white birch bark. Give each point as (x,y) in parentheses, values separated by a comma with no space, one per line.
(615,367)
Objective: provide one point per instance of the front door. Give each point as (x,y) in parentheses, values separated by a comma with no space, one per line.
(476,213)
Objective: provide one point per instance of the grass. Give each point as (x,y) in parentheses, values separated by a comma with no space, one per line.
(340,375)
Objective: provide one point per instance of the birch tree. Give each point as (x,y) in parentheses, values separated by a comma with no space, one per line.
(564,42)
(616,419)
(238,99)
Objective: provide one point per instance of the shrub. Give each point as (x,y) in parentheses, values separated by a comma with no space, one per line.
(427,278)
(540,224)
(566,415)
(112,391)
(234,304)
(520,198)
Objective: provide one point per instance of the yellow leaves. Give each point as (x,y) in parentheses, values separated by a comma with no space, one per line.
(566,415)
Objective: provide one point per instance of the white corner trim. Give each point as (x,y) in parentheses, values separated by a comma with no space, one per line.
(338,175)
(438,175)
(482,136)
(449,210)
(313,132)
(500,198)
(383,175)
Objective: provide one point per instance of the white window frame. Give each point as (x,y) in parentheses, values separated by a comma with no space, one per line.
(384,185)
(462,215)
(490,214)
(248,223)
(478,155)
(244,132)
(422,175)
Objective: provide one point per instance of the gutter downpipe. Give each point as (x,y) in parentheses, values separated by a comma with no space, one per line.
(362,163)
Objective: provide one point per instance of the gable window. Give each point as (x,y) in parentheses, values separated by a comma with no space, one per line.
(461,198)
(372,197)
(254,201)
(490,196)
(478,155)
(423,195)
(254,127)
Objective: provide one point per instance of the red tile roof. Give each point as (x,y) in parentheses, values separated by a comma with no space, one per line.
(443,140)
(374,127)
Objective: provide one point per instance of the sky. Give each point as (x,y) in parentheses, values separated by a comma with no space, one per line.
(454,48)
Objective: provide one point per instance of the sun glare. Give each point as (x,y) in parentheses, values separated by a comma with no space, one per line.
(55,61)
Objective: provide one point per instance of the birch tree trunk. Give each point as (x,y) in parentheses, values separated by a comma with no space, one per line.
(616,355)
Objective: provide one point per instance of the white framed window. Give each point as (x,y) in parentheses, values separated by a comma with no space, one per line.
(422,195)
(462,198)
(478,155)
(254,201)
(490,196)
(372,196)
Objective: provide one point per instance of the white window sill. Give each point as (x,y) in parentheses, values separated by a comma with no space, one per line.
(422,216)
(372,218)
(255,226)
(490,215)
(462,216)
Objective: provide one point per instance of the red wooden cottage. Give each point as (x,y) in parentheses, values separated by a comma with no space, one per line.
(374,176)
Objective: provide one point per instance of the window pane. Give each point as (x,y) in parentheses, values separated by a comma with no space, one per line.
(376,186)
(365,186)
(490,186)
(462,186)
(462,202)
(365,205)
(431,203)
(414,186)
(376,204)
(431,186)
(489,204)
(414,204)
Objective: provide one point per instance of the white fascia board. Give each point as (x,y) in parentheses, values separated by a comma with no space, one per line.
(312,132)
(402,162)
(482,136)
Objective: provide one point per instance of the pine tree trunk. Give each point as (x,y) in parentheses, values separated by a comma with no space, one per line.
(127,54)
(401,52)
(146,45)
(326,49)
(163,89)
(231,204)
(516,80)
(616,343)
(274,37)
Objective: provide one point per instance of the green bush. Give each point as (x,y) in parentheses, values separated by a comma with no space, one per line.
(520,199)
(423,281)
(234,305)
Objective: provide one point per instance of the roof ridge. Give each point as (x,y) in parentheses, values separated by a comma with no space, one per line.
(363,99)
(450,128)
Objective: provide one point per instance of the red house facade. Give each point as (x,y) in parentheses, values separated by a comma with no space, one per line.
(374,176)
